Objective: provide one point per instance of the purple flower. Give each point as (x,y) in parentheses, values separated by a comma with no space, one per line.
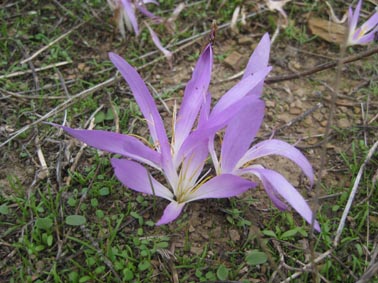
(366,32)
(180,161)
(238,158)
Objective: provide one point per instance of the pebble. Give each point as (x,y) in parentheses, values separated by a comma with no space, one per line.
(295,111)
(357,110)
(270,103)
(324,123)
(245,40)
(318,116)
(343,123)
(234,60)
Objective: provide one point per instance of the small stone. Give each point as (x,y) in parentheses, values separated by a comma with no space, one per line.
(234,60)
(298,103)
(283,117)
(324,123)
(294,64)
(343,123)
(357,110)
(245,40)
(318,116)
(308,121)
(234,235)
(270,104)
(196,250)
(81,66)
(312,141)
(295,111)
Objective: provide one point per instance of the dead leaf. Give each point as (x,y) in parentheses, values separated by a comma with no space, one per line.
(327,30)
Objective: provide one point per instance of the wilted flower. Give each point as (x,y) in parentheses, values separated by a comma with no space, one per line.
(238,159)
(278,5)
(124,12)
(182,160)
(366,32)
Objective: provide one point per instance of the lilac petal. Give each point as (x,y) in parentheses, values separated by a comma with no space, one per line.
(241,89)
(273,180)
(367,38)
(222,186)
(116,143)
(171,212)
(147,13)
(156,40)
(259,58)
(130,12)
(355,15)
(205,111)
(370,23)
(151,1)
(176,12)
(145,102)
(215,122)
(275,197)
(194,96)
(192,165)
(278,147)
(134,176)
(213,155)
(240,133)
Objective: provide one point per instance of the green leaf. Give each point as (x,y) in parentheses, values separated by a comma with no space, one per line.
(100,269)
(100,213)
(269,233)
(210,276)
(144,265)
(73,276)
(289,234)
(71,201)
(85,278)
(127,274)
(110,114)
(162,245)
(222,272)
(256,257)
(104,191)
(39,248)
(75,220)
(44,223)
(49,240)
(94,202)
(4,209)
(100,117)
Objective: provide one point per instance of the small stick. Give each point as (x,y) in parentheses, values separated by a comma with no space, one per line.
(323,67)
(308,266)
(314,70)
(44,172)
(62,106)
(51,44)
(296,119)
(21,96)
(20,73)
(352,194)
